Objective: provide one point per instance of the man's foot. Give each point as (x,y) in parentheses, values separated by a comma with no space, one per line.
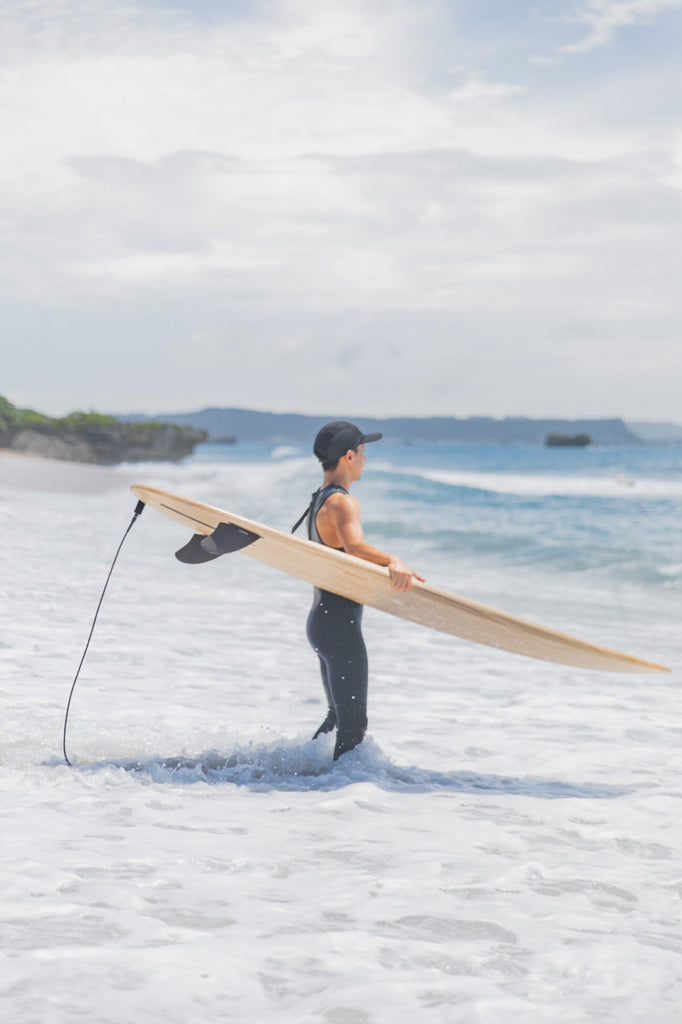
(347,742)
(328,724)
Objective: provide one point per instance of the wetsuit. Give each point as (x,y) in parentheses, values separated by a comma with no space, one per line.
(335,633)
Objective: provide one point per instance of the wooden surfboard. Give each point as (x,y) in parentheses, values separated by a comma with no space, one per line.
(368,584)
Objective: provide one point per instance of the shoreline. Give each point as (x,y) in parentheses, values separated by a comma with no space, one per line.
(25,471)
(24,455)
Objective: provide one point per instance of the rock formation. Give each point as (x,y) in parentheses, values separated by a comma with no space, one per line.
(568,440)
(89,437)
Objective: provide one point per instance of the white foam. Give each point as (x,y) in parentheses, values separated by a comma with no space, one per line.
(547,484)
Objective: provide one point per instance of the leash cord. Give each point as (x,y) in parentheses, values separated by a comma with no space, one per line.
(138,510)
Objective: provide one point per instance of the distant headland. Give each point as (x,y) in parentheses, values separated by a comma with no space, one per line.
(94,438)
(110,439)
(292,428)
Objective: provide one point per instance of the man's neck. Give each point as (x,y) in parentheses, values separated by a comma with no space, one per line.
(340,476)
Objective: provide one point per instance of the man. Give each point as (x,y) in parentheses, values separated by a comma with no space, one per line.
(334,626)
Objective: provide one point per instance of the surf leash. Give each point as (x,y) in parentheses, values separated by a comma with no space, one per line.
(136,514)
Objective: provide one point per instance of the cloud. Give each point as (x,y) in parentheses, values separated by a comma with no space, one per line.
(604,18)
(309,198)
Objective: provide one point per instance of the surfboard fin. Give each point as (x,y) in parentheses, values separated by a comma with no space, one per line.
(226,538)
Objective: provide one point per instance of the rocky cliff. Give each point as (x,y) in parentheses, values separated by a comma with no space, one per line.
(89,437)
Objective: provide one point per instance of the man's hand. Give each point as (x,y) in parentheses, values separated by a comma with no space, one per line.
(401,577)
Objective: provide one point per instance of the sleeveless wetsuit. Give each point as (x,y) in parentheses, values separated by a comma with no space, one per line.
(334,631)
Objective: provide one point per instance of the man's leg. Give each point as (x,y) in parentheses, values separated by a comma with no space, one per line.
(335,633)
(330,721)
(347,680)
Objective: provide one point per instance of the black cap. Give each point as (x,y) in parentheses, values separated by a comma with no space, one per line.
(336,438)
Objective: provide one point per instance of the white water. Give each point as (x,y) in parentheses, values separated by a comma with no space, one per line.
(609,486)
(505,846)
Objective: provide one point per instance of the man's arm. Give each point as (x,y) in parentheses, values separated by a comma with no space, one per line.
(339,521)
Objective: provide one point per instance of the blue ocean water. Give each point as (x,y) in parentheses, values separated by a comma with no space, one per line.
(612,512)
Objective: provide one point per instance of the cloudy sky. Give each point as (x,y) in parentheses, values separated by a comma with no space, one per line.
(403,207)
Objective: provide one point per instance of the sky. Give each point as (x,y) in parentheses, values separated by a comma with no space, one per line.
(378,207)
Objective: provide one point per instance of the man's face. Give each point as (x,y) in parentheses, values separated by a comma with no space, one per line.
(359,459)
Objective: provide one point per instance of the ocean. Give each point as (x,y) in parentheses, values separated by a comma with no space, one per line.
(506,845)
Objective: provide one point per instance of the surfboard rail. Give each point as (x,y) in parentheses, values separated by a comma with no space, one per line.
(368,584)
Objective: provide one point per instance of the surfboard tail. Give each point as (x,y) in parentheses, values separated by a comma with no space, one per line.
(226,538)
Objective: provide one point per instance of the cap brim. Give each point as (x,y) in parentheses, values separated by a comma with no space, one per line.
(366,438)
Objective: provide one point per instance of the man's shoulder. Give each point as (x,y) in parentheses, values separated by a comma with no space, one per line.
(341,502)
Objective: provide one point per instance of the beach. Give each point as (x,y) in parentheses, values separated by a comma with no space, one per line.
(505,846)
